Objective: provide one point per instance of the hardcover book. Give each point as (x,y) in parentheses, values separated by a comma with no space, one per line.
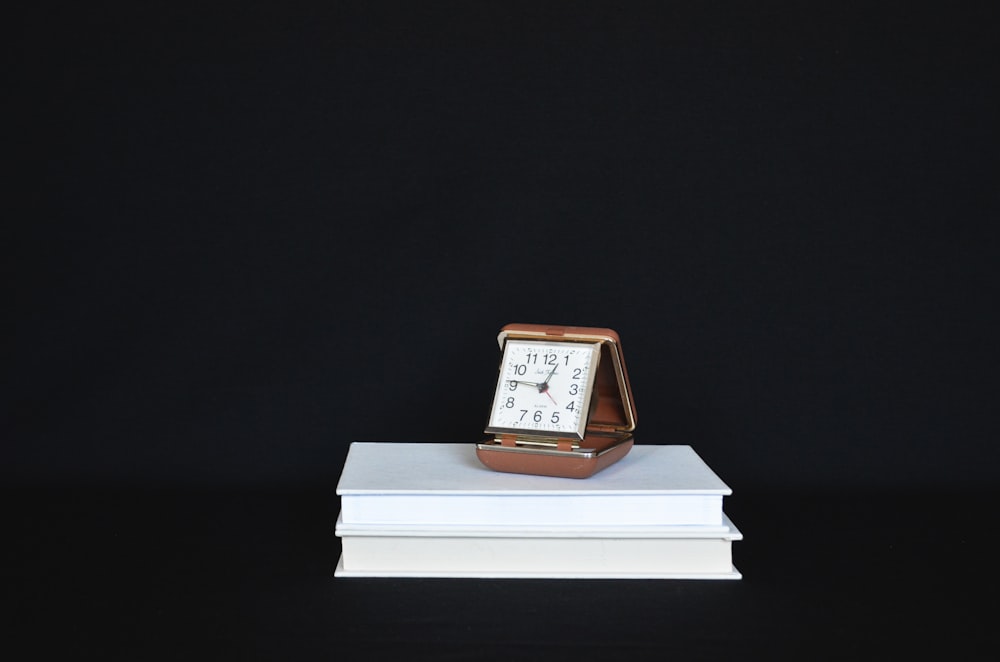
(641,552)
(444,484)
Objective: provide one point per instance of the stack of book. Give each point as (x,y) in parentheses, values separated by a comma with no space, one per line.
(432,510)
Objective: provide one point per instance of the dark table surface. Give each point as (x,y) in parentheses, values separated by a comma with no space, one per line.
(248,574)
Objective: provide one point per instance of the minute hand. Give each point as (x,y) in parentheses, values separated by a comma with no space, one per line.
(545,384)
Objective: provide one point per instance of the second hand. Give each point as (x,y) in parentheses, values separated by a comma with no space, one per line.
(544,386)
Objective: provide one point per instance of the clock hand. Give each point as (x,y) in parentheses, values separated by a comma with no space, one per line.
(518,381)
(544,386)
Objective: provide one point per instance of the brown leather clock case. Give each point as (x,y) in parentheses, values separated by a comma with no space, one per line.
(611,420)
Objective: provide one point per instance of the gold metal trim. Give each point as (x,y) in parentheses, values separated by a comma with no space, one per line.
(585,453)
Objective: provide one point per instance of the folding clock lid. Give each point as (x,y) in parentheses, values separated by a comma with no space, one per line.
(615,407)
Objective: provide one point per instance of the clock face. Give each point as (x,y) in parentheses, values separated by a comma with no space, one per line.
(544,388)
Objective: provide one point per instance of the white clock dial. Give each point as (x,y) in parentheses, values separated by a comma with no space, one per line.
(544,388)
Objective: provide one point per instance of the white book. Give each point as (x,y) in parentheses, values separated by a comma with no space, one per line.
(426,484)
(531,531)
(473,553)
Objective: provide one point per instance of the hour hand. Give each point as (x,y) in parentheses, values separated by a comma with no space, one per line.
(518,381)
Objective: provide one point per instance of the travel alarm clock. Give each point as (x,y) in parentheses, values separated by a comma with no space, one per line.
(562,404)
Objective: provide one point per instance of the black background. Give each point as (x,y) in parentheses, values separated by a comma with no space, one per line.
(241,236)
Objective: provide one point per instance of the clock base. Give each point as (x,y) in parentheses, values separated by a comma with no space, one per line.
(595,456)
